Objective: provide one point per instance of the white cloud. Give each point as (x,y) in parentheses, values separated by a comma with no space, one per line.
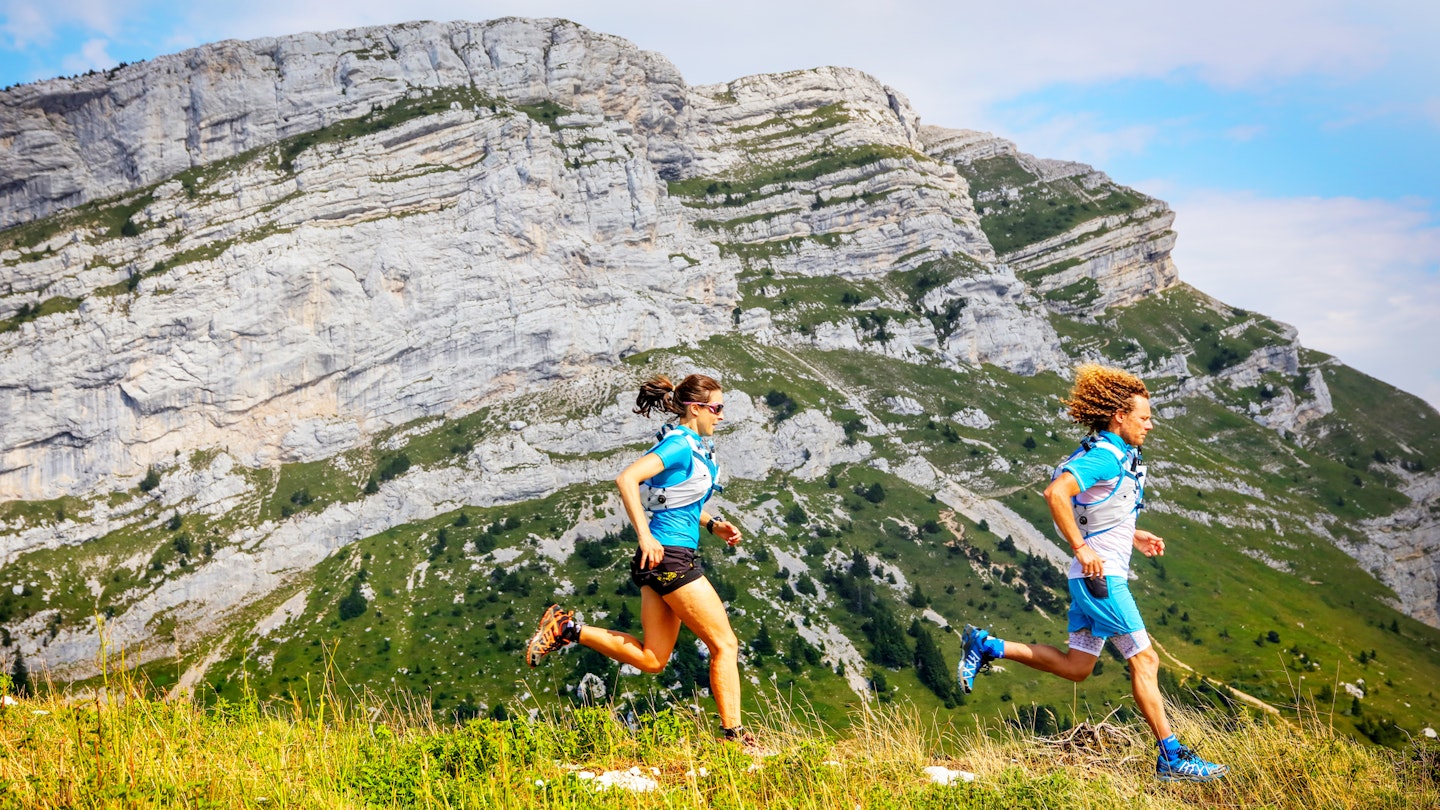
(1082,137)
(1360,279)
(26,22)
(93,55)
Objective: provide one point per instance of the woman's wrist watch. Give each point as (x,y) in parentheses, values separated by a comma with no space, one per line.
(710,524)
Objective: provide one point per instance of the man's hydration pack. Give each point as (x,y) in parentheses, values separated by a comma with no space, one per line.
(1125,497)
(692,490)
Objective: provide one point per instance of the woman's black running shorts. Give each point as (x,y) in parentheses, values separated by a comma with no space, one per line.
(677,569)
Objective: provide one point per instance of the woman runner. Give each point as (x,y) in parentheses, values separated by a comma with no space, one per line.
(671,481)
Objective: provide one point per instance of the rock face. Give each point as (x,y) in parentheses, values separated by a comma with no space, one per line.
(360,291)
(1125,255)
(70,141)
(1404,551)
(284,300)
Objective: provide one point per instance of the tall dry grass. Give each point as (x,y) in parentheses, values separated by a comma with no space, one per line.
(127,746)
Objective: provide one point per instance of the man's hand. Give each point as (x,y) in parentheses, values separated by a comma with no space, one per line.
(1151,545)
(1090,561)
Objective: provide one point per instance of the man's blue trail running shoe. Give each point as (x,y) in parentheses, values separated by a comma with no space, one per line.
(1187,766)
(975,657)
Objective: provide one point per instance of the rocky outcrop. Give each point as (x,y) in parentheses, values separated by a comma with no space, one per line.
(1403,550)
(413,272)
(69,141)
(285,301)
(1126,255)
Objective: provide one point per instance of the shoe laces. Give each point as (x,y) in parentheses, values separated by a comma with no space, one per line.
(1183,754)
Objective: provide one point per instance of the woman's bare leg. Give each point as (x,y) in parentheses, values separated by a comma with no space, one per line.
(659,627)
(699,608)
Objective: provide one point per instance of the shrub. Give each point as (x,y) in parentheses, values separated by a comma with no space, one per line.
(353,604)
(593,553)
(781,404)
(394,466)
(805,585)
(796,516)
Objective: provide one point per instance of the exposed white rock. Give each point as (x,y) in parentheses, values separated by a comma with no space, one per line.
(972,418)
(904,406)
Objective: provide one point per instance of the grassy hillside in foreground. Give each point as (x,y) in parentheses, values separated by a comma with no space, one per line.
(376,752)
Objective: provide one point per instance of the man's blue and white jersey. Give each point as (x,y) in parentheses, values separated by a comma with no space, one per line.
(681,448)
(1112,489)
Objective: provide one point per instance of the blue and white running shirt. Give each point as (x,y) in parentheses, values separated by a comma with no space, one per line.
(679,526)
(1099,472)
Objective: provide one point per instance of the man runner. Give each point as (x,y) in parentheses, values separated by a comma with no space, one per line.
(1094,497)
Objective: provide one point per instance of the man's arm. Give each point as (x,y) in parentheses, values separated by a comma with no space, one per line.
(1149,543)
(1059,496)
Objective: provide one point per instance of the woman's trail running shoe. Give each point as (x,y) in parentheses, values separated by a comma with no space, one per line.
(975,657)
(557,628)
(1187,766)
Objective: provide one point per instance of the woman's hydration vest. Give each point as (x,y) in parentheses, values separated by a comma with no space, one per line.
(694,489)
(1126,495)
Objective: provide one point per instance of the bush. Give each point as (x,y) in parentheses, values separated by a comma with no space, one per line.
(781,404)
(353,604)
(593,553)
(805,585)
(150,481)
(394,466)
(796,516)
(887,638)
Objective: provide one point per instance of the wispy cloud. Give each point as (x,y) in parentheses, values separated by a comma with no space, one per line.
(1083,137)
(93,55)
(26,23)
(1245,132)
(1360,279)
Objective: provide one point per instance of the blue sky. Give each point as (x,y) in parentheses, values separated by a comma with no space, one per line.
(1297,140)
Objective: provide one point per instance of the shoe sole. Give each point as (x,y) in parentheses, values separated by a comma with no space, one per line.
(967,688)
(1180,777)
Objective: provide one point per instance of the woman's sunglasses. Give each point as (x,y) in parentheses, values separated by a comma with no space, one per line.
(714,408)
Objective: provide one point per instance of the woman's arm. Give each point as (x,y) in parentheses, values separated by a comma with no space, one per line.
(628,482)
(724,529)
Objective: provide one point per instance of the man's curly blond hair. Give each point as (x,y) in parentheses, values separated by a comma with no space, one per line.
(1099,392)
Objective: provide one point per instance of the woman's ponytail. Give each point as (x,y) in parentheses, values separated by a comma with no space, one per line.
(657,392)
